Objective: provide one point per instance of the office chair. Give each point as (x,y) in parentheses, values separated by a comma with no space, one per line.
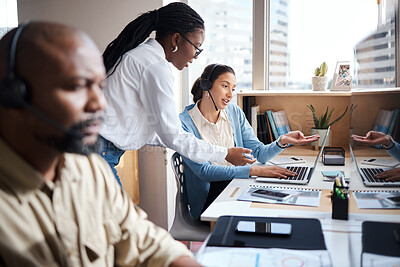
(185,227)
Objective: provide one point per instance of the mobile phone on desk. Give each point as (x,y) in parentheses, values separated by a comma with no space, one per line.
(269,228)
(393,200)
(270,194)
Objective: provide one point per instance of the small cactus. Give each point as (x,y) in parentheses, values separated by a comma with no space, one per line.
(324,69)
(321,71)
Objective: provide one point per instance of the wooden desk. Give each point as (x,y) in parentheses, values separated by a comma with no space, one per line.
(342,238)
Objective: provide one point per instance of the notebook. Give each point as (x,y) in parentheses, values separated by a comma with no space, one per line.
(303,173)
(367,174)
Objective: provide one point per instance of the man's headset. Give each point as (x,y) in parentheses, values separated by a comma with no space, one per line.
(206,84)
(15,92)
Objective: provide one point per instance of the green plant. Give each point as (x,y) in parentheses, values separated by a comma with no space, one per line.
(321,71)
(323,121)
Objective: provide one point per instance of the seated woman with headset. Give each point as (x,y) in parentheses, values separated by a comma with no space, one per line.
(217,121)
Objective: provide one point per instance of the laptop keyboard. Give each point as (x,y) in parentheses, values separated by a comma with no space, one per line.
(370,173)
(301,172)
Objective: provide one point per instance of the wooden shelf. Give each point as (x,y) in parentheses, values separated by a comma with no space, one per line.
(295,102)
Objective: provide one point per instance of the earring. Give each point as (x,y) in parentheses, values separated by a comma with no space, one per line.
(175,49)
(207,95)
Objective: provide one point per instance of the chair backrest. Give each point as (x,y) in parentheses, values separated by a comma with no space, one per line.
(177,166)
(185,227)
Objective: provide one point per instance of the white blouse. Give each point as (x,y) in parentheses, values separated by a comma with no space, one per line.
(219,133)
(141,107)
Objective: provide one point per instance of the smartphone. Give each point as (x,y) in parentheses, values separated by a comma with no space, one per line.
(393,200)
(270,194)
(270,228)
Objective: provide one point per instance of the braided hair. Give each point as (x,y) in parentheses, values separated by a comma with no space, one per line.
(197,92)
(173,18)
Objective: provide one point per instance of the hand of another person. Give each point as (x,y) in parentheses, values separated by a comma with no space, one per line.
(389,175)
(236,157)
(372,138)
(271,171)
(185,261)
(297,138)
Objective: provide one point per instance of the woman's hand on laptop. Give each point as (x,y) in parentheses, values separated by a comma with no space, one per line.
(271,171)
(389,175)
(297,138)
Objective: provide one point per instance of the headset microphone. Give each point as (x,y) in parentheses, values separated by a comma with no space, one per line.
(206,84)
(15,92)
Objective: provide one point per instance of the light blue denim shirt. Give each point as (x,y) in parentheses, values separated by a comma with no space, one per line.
(199,175)
(395,151)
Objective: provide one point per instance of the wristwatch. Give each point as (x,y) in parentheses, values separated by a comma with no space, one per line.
(391,142)
(279,144)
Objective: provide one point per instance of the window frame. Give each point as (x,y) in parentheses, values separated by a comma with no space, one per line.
(261,45)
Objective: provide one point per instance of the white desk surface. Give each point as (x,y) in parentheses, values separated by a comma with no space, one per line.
(342,238)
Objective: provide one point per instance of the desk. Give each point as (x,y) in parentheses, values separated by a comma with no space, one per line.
(342,238)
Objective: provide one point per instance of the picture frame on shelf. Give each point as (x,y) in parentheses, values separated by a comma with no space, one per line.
(342,78)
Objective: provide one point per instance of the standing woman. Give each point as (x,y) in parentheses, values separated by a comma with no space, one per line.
(141,107)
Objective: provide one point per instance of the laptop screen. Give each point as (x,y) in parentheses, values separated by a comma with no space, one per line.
(322,147)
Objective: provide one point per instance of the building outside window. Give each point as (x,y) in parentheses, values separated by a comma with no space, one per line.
(303,34)
(8,16)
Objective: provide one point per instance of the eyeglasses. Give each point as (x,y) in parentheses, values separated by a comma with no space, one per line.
(199,50)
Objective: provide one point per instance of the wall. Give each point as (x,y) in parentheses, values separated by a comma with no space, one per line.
(103,20)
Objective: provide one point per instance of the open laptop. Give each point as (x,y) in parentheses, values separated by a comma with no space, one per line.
(367,174)
(303,173)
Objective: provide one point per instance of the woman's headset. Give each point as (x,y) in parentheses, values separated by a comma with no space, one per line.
(206,84)
(14,92)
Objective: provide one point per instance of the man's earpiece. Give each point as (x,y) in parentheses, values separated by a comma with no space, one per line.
(14,92)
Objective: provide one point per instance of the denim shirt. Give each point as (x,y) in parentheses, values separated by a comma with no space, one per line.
(199,175)
(395,151)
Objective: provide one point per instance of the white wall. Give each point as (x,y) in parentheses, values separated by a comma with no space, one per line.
(103,20)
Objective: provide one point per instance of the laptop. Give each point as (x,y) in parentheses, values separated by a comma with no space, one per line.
(303,173)
(367,174)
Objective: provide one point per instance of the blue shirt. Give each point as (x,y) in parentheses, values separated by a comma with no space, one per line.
(199,175)
(395,151)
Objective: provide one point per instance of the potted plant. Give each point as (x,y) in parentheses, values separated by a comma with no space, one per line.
(323,122)
(320,81)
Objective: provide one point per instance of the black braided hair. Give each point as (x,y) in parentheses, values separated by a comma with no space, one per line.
(197,92)
(173,18)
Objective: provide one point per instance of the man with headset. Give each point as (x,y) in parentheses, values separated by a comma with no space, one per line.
(60,204)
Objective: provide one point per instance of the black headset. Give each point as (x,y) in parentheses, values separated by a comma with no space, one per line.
(14,92)
(206,84)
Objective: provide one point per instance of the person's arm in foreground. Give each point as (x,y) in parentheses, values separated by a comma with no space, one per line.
(184,262)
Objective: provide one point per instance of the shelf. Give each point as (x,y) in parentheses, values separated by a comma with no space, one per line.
(353,92)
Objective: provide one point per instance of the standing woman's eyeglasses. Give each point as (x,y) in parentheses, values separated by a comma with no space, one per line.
(199,50)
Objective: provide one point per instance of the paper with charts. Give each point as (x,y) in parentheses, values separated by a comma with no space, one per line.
(375,199)
(258,257)
(299,196)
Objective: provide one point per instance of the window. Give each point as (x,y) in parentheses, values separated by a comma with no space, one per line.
(228,39)
(8,16)
(303,34)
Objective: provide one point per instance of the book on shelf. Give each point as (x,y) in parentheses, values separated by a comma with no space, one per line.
(248,102)
(393,122)
(396,130)
(263,133)
(272,123)
(269,130)
(382,122)
(255,110)
(281,122)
